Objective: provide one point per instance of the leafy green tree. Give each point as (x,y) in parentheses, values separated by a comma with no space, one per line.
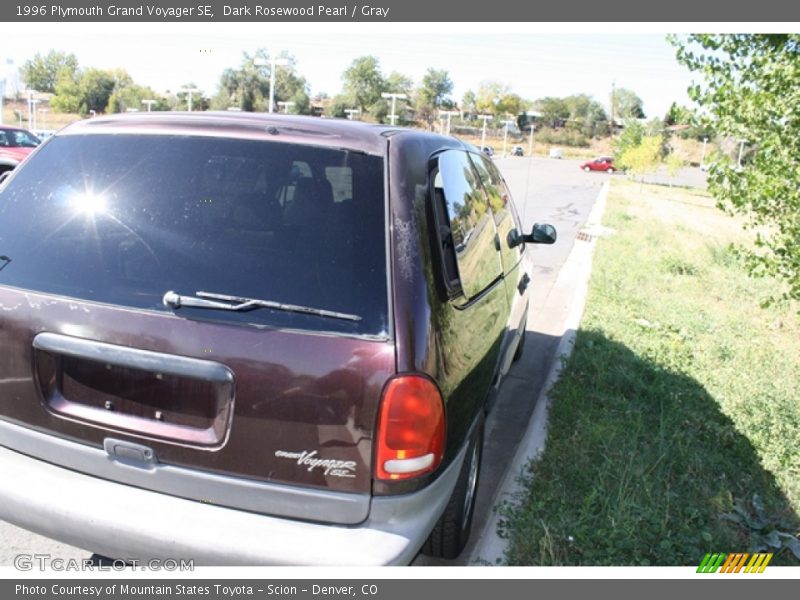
(96,87)
(469,102)
(246,87)
(436,88)
(364,83)
(674,165)
(68,98)
(510,104)
(631,136)
(627,105)
(42,73)
(554,110)
(751,91)
(489,95)
(642,158)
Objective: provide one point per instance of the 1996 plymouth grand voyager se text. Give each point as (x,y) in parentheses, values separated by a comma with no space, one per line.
(252,339)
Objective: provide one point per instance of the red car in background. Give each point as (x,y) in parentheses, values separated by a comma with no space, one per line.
(601,163)
(15,145)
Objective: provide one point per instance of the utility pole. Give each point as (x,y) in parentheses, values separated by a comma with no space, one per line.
(394,98)
(505,135)
(613,100)
(483,132)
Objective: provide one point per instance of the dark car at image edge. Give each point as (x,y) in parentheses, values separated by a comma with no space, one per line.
(253,339)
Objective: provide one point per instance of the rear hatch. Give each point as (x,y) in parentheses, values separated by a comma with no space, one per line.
(97,228)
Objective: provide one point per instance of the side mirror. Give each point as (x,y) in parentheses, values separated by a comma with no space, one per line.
(542,233)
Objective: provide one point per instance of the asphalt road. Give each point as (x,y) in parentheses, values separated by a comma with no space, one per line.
(545,190)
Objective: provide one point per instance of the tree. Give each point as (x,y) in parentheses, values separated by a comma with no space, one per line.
(489,95)
(751,91)
(642,158)
(469,102)
(364,83)
(510,105)
(554,110)
(631,136)
(247,87)
(96,87)
(42,73)
(436,88)
(627,105)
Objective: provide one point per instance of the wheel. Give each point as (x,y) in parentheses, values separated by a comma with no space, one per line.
(587,169)
(610,170)
(451,532)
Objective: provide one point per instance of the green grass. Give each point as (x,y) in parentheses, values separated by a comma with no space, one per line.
(675,425)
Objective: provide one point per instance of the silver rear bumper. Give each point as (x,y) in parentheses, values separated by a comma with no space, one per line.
(122,521)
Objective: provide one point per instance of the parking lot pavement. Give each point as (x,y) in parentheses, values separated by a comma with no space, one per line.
(545,190)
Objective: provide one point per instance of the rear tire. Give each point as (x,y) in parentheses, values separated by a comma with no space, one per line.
(451,532)
(586,169)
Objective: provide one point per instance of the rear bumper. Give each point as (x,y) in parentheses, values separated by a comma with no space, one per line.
(126,522)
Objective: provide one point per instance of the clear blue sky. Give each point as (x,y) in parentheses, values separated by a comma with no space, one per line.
(535,64)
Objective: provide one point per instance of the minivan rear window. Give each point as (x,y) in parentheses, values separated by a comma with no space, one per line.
(123,219)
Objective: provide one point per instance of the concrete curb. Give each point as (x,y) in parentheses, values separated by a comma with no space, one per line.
(490,547)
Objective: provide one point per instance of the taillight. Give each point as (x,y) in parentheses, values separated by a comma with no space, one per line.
(411,428)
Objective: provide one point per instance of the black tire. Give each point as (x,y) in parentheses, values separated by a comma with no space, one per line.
(451,532)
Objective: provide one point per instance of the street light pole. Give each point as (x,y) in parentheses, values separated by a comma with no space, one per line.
(530,146)
(189,88)
(274,63)
(703,157)
(394,98)
(483,132)
(505,135)
(449,114)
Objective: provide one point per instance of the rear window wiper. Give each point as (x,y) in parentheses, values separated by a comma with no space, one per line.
(236,303)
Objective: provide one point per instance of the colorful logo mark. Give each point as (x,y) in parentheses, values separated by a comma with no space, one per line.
(733,562)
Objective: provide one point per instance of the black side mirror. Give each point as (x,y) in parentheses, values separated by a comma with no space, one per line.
(542,233)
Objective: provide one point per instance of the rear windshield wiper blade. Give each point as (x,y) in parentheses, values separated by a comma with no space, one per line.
(236,303)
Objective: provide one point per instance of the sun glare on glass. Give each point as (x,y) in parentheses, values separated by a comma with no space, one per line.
(88,203)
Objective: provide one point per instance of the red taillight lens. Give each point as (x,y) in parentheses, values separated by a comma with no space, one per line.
(411,430)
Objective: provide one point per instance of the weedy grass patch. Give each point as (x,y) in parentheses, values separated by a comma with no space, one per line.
(675,425)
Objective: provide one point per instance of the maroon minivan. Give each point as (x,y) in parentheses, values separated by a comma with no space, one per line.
(253,339)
